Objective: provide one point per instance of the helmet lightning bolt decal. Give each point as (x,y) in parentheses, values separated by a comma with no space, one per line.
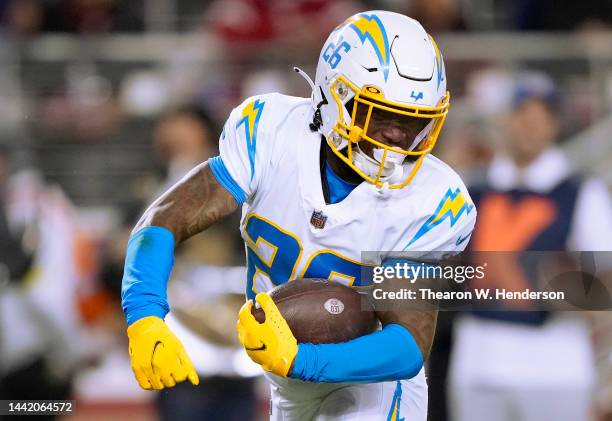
(452,206)
(250,118)
(439,62)
(369,27)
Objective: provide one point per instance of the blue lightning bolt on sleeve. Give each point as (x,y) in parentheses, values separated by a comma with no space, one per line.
(243,147)
(148,263)
(389,354)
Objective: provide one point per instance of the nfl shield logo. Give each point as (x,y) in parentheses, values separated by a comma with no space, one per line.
(318,219)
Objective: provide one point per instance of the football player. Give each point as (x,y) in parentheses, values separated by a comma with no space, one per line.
(319,181)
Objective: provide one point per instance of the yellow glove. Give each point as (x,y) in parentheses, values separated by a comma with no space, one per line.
(271,343)
(157,356)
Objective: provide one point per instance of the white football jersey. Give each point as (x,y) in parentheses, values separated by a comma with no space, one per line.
(270,160)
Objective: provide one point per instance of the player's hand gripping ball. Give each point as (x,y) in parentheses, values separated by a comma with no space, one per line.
(271,343)
(315,311)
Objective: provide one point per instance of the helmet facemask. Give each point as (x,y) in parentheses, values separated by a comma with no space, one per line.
(373,159)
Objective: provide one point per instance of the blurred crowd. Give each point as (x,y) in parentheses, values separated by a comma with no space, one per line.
(261,19)
(88,140)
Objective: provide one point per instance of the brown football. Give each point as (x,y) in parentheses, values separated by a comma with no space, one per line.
(320,311)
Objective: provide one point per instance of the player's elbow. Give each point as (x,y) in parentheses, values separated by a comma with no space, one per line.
(421,328)
(164,215)
(424,345)
(152,217)
(411,368)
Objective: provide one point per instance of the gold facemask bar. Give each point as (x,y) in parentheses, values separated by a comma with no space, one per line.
(371,97)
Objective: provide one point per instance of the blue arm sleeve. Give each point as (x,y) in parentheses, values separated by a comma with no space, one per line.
(148,263)
(388,354)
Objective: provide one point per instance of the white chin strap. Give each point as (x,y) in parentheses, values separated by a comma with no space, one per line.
(392,171)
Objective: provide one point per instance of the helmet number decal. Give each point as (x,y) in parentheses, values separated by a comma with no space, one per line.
(332,53)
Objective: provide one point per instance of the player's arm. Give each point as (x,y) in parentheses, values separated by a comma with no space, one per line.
(208,193)
(392,353)
(395,352)
(420,319)
(187,208)
(192,205)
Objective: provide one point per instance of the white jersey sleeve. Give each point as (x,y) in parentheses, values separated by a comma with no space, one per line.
(245,146)
(444,221)
(449,228)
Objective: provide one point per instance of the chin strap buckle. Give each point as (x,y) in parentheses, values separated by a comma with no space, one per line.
(317,120)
